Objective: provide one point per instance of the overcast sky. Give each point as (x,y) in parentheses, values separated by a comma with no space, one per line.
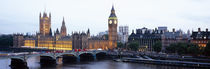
(21,16)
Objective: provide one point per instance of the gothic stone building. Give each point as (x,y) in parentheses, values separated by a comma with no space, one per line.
(84,41)
(145,37)
(45,38)
(200,37)
(169,38)
(62,41)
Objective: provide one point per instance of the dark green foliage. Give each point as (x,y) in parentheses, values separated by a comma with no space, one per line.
(171,48)
(184,48)
(193,49)
(106,36)
(133,46)
(157,46)
(181,48)
(120,45)
(6,40)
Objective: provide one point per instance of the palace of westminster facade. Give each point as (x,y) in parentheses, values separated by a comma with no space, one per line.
(61,41)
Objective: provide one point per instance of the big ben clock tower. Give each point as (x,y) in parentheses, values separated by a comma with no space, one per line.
(112,24)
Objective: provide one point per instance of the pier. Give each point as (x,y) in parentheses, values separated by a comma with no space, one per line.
(167,62)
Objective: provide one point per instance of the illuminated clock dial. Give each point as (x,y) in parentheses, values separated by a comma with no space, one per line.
(110,21)
(115,21)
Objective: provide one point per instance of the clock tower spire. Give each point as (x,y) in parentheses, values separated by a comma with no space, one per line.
(63,29)
(112,25)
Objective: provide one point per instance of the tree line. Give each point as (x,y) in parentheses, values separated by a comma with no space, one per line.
(178,48)
(6,40)
(184,48)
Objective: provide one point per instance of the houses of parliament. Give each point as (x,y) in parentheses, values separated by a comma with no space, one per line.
(59,40)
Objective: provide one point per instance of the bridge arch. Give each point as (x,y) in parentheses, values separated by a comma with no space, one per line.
(69,58)
(18,63)
(101,55)
(87,57)
(47,60)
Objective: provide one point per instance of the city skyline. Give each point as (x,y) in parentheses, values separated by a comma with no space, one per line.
(81,15)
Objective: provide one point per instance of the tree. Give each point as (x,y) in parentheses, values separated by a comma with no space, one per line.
(184,48)
(120,45)
(171,48)
(193,49)
(105,36)
(157,46)
(180,48)
(207,49)
(6,40)
(133,46)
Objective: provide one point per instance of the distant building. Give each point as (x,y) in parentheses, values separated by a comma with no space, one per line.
(162,29)
(145,37)
(18,40)
(99,43)
(101,34)
(63,29)
(61,41)
(30,41)
(80,40)
(112,29)
(123,34)
(45,24)
(200,37)
(168,38)
(45,38)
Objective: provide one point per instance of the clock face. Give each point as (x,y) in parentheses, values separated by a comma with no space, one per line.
(110,21)
(115,21)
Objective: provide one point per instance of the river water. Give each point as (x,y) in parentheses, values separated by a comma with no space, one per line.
(33,63)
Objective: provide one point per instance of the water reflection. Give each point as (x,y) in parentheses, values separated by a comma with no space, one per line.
(33,63)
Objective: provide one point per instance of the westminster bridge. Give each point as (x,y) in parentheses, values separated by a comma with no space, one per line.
(19,60)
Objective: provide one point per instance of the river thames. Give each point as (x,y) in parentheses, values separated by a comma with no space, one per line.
(33,63)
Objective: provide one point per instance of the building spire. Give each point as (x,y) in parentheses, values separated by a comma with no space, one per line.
(57,31)
(63,23)
(132,31)
(50,15)
(112,12)
(40,15)
(50,32)
(112,8)
(63,28)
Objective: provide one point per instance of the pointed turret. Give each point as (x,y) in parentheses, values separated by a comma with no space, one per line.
(112,12)
(57,31)
(50,16)
(132,31)
(50,32)
(112,8)
(63,28)
(63,22)
(88,33)
(40,15)
(45,14)
(57,34)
